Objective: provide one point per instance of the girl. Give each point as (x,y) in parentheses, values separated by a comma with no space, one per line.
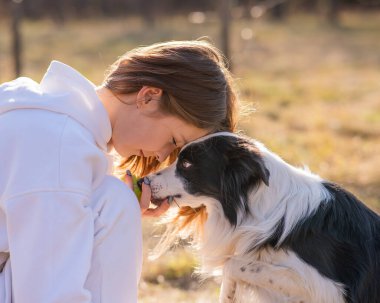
(70,232)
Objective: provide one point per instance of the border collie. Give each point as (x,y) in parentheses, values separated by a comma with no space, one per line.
(276,233)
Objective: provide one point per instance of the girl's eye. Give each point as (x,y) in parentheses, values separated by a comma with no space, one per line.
(174,142)
(186,164)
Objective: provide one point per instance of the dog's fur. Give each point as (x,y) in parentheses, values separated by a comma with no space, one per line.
(279,233)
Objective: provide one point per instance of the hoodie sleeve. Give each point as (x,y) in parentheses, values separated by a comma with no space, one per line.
(50,236)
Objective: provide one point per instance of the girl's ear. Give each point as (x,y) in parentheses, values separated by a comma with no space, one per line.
(147,98)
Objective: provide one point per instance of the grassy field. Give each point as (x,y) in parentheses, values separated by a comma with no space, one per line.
(316,90)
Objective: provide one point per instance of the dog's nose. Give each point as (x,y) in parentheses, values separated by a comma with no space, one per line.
(140,181)
(146,180)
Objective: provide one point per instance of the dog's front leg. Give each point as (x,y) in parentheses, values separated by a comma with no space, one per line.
(227,291)
(278,279)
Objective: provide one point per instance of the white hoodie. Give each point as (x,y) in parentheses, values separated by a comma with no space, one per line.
(53,154)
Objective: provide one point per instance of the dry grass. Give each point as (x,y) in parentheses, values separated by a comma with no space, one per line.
(316,90)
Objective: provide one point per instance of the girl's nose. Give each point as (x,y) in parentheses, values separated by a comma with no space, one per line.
(164,153)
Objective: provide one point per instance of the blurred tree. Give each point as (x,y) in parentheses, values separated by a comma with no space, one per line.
(332,11)
(106,7)
(59,10)
(278,10)
(15,9)
(225,18)
(81,7)
(247,6)
(56,10)
(34,8)
(149,9)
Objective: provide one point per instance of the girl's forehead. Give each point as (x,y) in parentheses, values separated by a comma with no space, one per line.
(183,131)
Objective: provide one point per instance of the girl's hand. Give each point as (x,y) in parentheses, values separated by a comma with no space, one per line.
(128,179)
(146,195)
(145,202)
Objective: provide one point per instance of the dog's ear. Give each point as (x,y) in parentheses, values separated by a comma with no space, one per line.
(244,171)
(245,160)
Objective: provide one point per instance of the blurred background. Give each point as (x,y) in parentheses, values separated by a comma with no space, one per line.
(310,68)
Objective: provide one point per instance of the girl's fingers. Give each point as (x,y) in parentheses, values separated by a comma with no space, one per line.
(158,211)
(146,195)
(128,179)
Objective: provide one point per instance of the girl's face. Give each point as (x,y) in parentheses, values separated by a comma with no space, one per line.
(142,130)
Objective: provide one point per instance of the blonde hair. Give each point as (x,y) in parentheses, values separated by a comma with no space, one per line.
(197,88)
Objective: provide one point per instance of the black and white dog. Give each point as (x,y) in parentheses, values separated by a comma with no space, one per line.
(281,232)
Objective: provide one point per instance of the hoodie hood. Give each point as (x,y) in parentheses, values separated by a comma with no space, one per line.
(63,90)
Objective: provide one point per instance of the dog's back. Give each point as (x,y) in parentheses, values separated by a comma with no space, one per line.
(342,241)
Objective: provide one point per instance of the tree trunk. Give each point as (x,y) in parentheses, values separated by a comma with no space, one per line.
(278,12)
(57,12)
(225,20)
(32,9)
(16,36)
(333,12)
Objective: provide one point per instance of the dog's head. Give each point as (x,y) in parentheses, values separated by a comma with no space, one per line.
(223,167)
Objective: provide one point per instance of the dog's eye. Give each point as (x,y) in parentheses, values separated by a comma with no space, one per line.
(186,164)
